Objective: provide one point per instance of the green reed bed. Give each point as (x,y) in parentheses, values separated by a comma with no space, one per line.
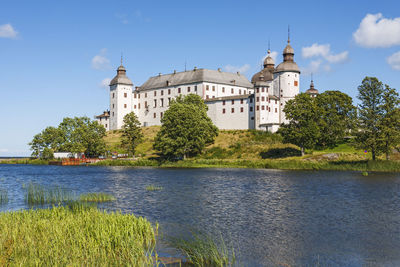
(204,250)
(96,197)
(77,236)
(154,188)
(3,196)
(40,194)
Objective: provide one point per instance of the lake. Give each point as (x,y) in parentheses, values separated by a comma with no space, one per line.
(271,217)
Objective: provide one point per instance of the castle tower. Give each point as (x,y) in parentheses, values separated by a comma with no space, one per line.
(286,79)
(312,91)
(120,98)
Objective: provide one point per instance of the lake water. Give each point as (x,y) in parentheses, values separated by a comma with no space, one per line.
(272,217)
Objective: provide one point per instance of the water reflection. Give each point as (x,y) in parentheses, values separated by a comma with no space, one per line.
(272,217)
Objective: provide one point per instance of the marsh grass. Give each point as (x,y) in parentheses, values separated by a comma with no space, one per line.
(75,235)
(96,197)
(204,250)
(37,194)
(3,196)
(153,188)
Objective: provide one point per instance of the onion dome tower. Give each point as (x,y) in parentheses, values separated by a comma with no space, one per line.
(267,71)
(312,91)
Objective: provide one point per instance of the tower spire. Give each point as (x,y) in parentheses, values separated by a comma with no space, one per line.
(269,46)
(121,58)
(288,34)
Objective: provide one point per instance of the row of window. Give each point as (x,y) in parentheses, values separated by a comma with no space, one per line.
(232,110)
(188,89)
(263,98)
(223,90)
(232,101)
(267,108)
(262,90)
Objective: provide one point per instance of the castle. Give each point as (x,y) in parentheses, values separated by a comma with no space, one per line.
(234,103)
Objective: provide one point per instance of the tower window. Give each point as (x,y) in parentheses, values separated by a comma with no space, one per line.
(233,101)
(223,111)
(125,95)
(241,101)
(263,90)
(113,105)
(241,109)
(258,99)
(233,110)
(258,108)
(162,102)
(134,95)
(145,95)
(223,102)
(161,115)
(134,106)
(169,91)
(154,115)
(179,90)
(258,90)
(113,95)
(276,110)
(232,91)
(155,103)
(213,88)
(188,89)
(139,106)
(251,109)
(124,105)
(263,98)
(223,89)
(207,88)
(155,93)
(240,91)
(138,96)
(262,107)
(162,92)
(195,88)
(296,83)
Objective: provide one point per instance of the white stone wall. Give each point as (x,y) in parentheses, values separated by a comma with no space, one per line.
(120,104)
(230,114)
(286,87)
(105,122)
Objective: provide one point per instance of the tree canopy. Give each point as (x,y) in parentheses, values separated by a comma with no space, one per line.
(131,133)
(75,135)
(186,129)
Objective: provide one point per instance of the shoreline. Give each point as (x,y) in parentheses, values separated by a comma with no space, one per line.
(279,164)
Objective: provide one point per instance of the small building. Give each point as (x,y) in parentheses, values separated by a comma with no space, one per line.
(312,91)
(67,155)
(104,119)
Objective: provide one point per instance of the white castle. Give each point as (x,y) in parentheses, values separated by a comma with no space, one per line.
(234,103)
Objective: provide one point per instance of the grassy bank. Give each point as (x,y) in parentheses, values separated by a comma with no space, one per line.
(75,236)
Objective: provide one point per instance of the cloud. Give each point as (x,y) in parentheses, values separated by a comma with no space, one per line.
(123,18)
(241,69)
(324,51)
(105,83)
(3,150)
(314,67)
(7,31)
(100,62)
(377,31)
(394,61)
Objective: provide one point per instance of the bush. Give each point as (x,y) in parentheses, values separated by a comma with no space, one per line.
(275,153)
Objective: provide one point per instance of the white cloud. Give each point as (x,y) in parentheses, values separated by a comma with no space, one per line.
(394,61)
(377,31)
(324,51)
(241,69)
(7,31)
(105,83)
(3,150)
(313,67)
(100,62)
(274,55)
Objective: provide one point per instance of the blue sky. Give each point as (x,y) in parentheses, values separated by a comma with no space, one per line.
(55,55)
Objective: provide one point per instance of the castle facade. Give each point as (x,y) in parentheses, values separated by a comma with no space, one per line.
(234,102)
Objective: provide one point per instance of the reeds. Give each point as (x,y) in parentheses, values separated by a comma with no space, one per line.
(204,250)
(96,197)
(75,236)
(39,194)
(3,196)
(153,188)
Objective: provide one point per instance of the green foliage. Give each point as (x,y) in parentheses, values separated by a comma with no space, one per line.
(186,129)
(379,117)
(75,235)
(47,153)
(131,133)
(76,135)
(338,116)
(96,197)
(154,188)
(37,194)
(204,250)
(275,153)
(3,196)
(304,120)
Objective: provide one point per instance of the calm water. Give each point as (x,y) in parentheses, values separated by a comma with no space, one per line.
(273,218)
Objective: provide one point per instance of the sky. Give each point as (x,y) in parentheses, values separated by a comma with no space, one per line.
(57,57)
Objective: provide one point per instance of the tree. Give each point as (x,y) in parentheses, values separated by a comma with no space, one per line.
(338,116)
(79,134)
(370,115)
(131,132)
(186,129)
(390,123)
(304,121)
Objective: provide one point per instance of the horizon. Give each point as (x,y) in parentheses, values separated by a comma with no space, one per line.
(58,58)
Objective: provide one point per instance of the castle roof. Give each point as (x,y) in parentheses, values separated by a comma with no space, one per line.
(288,63)
(105,114)
(196,76)
(121,77)
(312,90)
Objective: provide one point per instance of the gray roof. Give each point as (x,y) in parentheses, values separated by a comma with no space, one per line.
(287,66)
(196,76)
(268,75)
(121,77)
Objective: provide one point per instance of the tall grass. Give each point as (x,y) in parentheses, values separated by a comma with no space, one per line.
(3,196)
(204,250)
(64,236)
(96,197)
(153,188)
(39,194)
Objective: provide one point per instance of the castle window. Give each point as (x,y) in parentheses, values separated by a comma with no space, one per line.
(262,107)
(138,96)
(155,93)
(139,106)
(125,95)
(233,110)
(124,105)
(162,102)
(223,89)
(134,95)
(263,98)
(113,105)
(161,115)
(154,115)
(252,118)
(145,104)
(296,83)
(179,90)
(276,110)
(155,103)
(169,91)
(207,88)
(223,111)
(241,101)
(251,100)
(207,96)
(276,102)
(113,95)
(213,88)
(113,114)
(195,88)
(267,89)
(223,102)
(269,109)
(258,108)
(241,109)
(188,89)
(263,90)
(258,99)
(281,95)
(145,95)
(213,96)
(162,92)
(233,101)
(232,91)
(169,100)
(258,90)
(251,109)
(134,106)
(240,91)
(106,125)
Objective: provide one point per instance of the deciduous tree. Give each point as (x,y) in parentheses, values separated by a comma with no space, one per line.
(131,133)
